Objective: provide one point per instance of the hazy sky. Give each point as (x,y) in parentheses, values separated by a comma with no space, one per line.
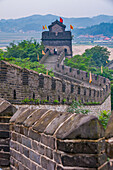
(66,8)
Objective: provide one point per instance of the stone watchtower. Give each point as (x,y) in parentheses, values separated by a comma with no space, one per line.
(57,39)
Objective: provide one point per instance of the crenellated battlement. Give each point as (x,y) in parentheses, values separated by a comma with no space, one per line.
(17,84)
(83,75)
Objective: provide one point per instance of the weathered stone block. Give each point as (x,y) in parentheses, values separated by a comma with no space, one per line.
(26,162)
(49,153)
(4,126)
(15,116)
(19,138)
(21,149)
(81,126)
(57,157)
(12,144)
(47,164)
(51,128)
(85,160)
(4,134)
(4,155)
(34,117)
(11,160)
(44,121)
(4,162)
(34,135)
(23,116)
(41,149)
(33,166)
(14,136)
(48,141)
(26,152)
(34,157)
(4,119)
(26,141)
(81,146)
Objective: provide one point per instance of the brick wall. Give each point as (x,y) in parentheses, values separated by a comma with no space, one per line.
(51,140)
(18,84)
(6,111)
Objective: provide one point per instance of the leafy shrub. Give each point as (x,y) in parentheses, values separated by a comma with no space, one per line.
(77,107)
(104,117)
(32,100)
(56,101)
(26,100)
(64,101)
(92,103)
(44,101)
(37,101)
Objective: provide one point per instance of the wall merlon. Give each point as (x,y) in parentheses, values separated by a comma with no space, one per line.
(82,75)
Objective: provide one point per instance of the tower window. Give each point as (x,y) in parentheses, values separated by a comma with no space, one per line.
(14,94)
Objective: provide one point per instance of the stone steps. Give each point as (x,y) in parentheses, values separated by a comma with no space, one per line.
(50,62)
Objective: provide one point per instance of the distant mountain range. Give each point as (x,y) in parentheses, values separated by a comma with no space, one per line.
(104,28)
(35,22)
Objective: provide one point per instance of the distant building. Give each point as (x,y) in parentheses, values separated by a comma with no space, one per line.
(57,39)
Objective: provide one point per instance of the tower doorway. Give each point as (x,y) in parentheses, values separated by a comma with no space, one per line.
(55,51)
(65,50)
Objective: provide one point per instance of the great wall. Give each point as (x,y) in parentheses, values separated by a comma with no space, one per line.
(46,136)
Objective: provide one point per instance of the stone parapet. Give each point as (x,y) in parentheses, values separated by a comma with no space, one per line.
(46,139)
(83,75)
(17,84)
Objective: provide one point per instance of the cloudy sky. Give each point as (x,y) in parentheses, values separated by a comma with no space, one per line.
(65,8)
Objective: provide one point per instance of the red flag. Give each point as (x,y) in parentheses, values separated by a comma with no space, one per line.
(71,27)
(61,20)
(43,27)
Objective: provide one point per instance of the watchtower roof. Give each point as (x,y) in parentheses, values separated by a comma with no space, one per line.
(57,22)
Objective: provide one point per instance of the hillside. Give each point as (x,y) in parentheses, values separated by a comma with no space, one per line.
(104,28)
(35,22)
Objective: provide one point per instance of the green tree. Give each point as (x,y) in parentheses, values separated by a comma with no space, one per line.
(1,54)
(99,55)
(24,54)
(25,49)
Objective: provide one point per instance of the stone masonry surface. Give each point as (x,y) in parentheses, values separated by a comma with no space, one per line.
(17,84)
(50,140)
(6,111)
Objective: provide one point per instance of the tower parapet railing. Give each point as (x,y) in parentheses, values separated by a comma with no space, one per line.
(44,57)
